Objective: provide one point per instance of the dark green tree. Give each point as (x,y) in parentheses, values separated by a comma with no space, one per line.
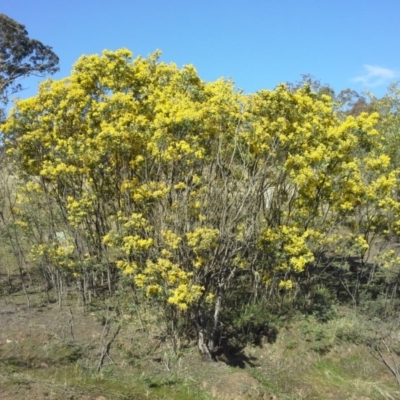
(21,57)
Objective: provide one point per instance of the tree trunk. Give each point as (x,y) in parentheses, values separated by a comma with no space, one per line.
(213,336)
(201,342)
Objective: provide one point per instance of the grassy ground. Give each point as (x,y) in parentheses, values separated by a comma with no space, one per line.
(48,352)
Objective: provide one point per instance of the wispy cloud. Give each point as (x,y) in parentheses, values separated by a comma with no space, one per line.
(376,76)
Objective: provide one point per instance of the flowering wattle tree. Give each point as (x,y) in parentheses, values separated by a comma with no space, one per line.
(192,188)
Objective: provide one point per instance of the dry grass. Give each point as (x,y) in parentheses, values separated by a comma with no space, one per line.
(51,352)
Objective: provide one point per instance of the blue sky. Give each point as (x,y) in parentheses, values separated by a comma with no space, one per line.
(257,43)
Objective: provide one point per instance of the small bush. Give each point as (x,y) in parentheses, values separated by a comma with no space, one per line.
(252,323)
(322,305)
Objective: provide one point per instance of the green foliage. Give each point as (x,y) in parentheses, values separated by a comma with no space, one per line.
(21,57)
(322,305)
(249,324)
(354,331)
(64,353)
(320,336)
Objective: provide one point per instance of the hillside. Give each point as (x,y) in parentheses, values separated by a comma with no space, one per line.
(48,352)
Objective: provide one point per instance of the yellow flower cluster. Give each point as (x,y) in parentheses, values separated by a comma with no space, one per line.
(59,254)
(287,285)
(78,209)
(171,239)
(202,239)
(289,244)
(184,295)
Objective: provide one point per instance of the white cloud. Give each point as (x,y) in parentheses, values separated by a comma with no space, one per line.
(376,76)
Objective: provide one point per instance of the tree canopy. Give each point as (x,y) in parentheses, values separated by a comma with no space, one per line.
(21,57)
(193,191)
